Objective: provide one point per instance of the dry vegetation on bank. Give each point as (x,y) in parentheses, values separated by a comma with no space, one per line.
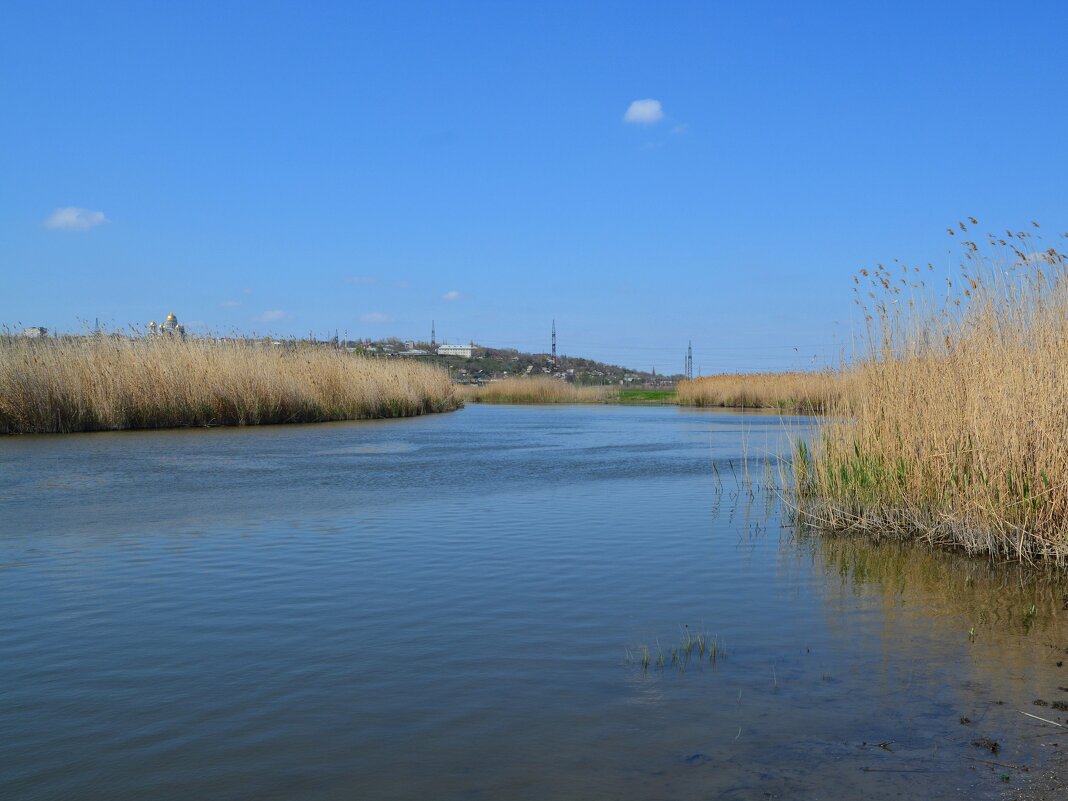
(794,392)
(104,382)
(536,389)
(955,429)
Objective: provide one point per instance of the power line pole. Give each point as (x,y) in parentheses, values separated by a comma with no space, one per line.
(554,346)
(433,334)
(689,361)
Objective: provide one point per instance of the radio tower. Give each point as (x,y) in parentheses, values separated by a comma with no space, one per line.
(554,346)
(433,334)
(689,360)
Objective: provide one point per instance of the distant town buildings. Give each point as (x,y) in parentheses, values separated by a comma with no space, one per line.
(464,351)
(35,332)
(169,327)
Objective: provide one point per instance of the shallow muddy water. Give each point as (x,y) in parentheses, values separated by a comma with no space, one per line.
(442,607)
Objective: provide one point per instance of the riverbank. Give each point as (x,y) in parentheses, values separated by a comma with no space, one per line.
(102,383)
(791,392)
(543,389)
(797,391)
(953,431)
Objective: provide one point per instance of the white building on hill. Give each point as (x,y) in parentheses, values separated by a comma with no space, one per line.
(464,351)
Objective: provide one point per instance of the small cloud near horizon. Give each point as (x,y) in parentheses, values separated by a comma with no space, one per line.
(375,317)
(230,303)
(273,316)
(72,218)
(361,280)
(451,295)
(644,112)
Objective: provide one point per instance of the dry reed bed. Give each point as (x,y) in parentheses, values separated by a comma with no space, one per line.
(537,389)
(793,391)
(106,382)
(955,429)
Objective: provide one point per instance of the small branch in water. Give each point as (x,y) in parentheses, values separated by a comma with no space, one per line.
(1036,717)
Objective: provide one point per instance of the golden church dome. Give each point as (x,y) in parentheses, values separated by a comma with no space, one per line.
(171,318)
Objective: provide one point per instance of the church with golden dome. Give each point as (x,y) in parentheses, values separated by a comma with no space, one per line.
(169,327)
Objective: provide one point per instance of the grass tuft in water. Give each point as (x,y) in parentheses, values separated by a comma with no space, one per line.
(693,648)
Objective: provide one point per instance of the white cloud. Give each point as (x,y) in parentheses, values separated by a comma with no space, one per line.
(375,317)
(644,112)
(72,218)
(273,316)
(451,295)
(681,128)
(361,280)
(230,303)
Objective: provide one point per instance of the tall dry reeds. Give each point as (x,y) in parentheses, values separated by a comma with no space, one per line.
(536,389)
(956,426)
(106,382)
(792,391)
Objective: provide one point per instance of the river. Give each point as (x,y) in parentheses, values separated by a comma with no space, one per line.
(443,608)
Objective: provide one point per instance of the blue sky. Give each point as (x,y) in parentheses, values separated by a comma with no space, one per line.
(286,168)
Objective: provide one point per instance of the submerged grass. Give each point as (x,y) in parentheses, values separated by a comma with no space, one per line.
(693,649)
(788,392)
(104,383)
(954,426)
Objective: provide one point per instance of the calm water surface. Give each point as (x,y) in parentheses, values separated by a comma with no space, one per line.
(440,608)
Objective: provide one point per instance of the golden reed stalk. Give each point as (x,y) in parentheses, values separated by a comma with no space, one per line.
(106,382)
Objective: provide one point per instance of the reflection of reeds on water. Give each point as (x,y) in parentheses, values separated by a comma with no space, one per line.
(997,600)
(953,427)
(700,648)
(107,382)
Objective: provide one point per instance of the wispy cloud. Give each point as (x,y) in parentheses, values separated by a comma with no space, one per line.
(644,112)
(273,316)
(361,280)
(681,128)
(451,295)
(375,317)
(72,218)
(229,304)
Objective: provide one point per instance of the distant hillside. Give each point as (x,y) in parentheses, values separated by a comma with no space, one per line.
(487,363)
